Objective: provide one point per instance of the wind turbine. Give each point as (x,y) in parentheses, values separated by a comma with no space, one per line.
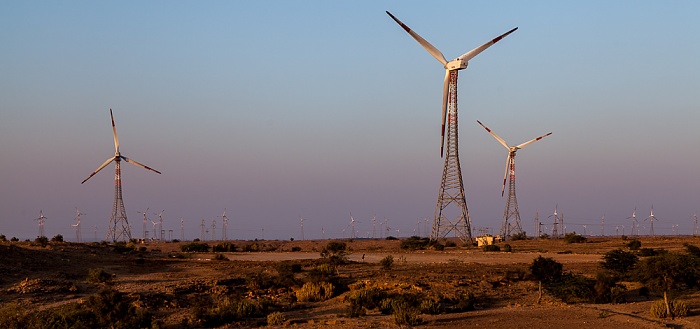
(695,216)
(651,219)
(160,223)
(145,220)
(511,210)
(634,221)
(555,232)
(40,221)
(118,224)
(77,226)
(451,186)
(224,223)
(301,223)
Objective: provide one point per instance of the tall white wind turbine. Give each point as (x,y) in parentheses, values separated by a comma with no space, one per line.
(118,224)
(511,213)
(451,193)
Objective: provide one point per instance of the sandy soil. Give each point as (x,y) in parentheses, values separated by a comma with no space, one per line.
(167,281)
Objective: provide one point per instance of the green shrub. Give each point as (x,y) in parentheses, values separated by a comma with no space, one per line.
(57,238)
(314,292)
(296,248)
(678,308)
(491,247)
(507,248)
(634,244)
(276,319)
(98,275)
(369,298)
(518,236)
(693,250)
(223,247)
(195,247)
(572,288)
(334,252)
(607,290)
(619,261)
(462,303)
(430,306)
(42,240)
(574,238)
(546,269)
(387,262)
(220,257)
(225,311)
(415,243)
(405,314)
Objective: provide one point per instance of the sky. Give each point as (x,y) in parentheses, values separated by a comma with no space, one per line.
(278,110)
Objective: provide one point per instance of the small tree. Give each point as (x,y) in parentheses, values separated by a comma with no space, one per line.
(546,269)
(335,253)
(669,272)
(619,261)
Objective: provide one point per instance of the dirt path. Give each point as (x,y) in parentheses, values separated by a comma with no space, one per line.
(423,257)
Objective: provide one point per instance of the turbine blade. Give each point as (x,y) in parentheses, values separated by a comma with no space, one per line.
(444,111)
(532,141)
(114,130)
(98,169)
(505,175)
(476,51)
(430,48)
(498,138)
(138,164)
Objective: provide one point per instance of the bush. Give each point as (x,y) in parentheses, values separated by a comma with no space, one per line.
(224,247)
(491,247)
(387,262)
(98,275)
(519,236)
(574,238)
(634,244)
(650,252)
(415,243)
(463,302)
(619,261)
(546,269)
(296,248)
(220,257)
(57,238)
(450,244)
(369,298)
(391,238)
(678,308)
(607,290)
(14,239)
(572,288)
(507,248)
(691,249)
(226,311)
(334,253)
(195,247)
(3,238)
(405,314)
(314,292)
(276,319)
(42,240)
(430,306)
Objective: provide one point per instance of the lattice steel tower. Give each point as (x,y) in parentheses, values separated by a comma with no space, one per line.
(511,216)
(451,193)
(118,228)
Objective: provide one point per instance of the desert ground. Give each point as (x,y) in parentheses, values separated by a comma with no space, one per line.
(170,283)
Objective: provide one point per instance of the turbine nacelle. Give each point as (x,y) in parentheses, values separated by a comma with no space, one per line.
(456,64)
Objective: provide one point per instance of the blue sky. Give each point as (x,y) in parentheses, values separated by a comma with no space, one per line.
(275,110)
